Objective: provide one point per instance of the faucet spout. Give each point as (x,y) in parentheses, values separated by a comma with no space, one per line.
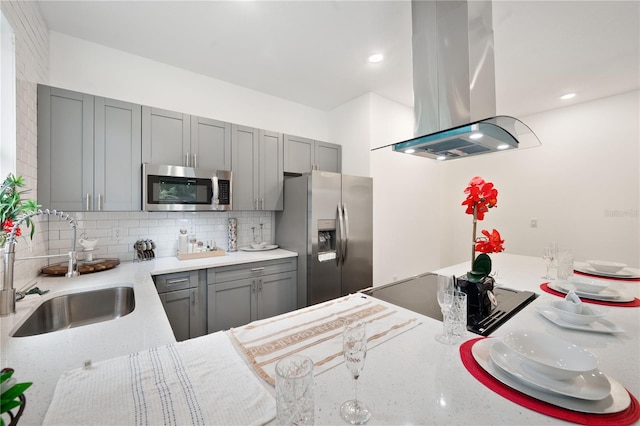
(8,292)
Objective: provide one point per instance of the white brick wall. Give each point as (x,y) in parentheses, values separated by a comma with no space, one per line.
(32,67)
(160,227)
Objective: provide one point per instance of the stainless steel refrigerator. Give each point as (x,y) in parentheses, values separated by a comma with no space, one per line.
(328,220)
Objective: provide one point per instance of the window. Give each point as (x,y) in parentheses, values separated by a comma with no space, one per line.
(7,99)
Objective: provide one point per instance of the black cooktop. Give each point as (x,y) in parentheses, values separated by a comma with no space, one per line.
(418,294)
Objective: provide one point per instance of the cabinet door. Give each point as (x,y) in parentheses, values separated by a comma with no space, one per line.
(65,148)
(328,157)
(234,304)
(298,154)
(165,137)
(271,170)
(244,143)
(211,143)
(118,156)
(276,294)
(177,305)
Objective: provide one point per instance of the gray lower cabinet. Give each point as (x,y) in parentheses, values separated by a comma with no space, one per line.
(239,294)
(302,155)
(89,152)
(184,299)
(174,138)
(258,169)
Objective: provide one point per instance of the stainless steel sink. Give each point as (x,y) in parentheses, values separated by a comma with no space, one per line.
(78,309)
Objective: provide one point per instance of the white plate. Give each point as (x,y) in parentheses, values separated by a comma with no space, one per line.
(592,386)
(618,400)
(608,295)
(599,326)
(265,248)
(623,273)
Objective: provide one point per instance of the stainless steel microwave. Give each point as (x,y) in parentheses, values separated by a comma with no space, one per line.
(176,188)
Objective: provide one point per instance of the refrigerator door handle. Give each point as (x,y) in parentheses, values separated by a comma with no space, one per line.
(340,242)
(345,240)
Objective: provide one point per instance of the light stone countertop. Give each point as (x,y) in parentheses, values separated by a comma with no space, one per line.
(41,359)
(410,379)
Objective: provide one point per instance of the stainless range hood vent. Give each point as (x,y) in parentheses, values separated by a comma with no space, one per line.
(454,84)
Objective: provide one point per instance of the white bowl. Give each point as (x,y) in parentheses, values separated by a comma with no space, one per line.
(549,355)
(606,266)
(588,285)
(587,314)
(258,245)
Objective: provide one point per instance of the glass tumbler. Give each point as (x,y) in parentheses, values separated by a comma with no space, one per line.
(456,321)
(294,391)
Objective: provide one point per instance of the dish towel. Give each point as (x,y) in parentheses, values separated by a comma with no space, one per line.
(316,332)
(200,381)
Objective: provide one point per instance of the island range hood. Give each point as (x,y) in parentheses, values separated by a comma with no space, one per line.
(454,84)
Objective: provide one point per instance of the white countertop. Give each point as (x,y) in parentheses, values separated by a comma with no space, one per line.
(410,379)
(41,359)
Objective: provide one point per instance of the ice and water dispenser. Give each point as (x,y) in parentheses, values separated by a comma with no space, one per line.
(326,240)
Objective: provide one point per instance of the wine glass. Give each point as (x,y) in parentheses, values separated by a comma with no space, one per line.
(549,254)
(445,300)
(354,345)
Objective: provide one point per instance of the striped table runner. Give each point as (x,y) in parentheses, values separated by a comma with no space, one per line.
(316,332)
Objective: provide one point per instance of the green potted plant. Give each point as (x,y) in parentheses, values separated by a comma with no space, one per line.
(11,396)
(12,207)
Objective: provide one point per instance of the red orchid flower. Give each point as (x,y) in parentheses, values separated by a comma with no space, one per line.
(7,225)
(481,196)
(490,243)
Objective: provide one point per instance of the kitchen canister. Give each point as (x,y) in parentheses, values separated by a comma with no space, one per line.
(233,234)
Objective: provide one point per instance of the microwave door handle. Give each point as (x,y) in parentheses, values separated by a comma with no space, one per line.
(216,191)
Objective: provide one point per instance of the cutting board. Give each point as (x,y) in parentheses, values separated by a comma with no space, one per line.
(83,268)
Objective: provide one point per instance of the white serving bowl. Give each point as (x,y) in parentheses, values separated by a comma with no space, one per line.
(550,355)
(606,266)
(586,315)
(588,285)
(258,245)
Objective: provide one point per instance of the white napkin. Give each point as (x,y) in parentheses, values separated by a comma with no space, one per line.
(574,302)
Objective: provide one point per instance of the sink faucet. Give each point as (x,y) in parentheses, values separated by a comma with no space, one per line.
(8,293)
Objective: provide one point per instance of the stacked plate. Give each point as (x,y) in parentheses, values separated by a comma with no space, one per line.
(552,370)
(591,288)
(607,269)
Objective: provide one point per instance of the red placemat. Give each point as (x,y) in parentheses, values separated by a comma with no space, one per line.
(625,417)
(600,277)
(632,304)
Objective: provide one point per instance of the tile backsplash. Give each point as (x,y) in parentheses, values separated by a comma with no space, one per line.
(117,232)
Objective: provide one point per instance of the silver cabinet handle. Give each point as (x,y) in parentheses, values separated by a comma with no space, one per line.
(177,281)
(87,202)
(100,197)
(253,286)
(257,269)
(259,285)
(195,160)
(187,159)
(262,201)
(192,296)
(257,204)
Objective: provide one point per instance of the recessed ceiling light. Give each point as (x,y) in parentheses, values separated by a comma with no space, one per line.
(568,96)
(376,57)
(410,151)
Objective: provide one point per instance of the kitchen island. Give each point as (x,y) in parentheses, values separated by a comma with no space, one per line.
(408,379)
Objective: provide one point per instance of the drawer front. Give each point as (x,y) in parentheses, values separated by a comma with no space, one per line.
(176,281)
(250,270)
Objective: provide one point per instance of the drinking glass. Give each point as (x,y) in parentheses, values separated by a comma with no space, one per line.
(550,254)
(354,345)
(445,300)
(294,391)
(457,318)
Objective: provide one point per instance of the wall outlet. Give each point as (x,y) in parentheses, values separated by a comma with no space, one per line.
(534,223)
(117,232)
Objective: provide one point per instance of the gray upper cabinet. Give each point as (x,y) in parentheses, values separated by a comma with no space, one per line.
(210,143)
(301,155)
(81,141)
(258,170)
(174,138)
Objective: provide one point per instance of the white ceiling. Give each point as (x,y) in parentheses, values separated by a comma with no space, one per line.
(315,52)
